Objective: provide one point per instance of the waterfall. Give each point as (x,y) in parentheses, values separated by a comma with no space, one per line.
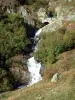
(34,69)
(38,32)
(34,66)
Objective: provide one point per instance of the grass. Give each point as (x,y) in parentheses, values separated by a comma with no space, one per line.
(63,89)
(52,44)
(46,92)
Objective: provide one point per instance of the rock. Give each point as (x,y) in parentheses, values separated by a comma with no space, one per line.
(41,14)
(54,24)
(19,70)
(70,0)
(22,86)
(46,20)
(70,16)
(8,10)
(26,15)
(21,76)
(55,77)
(67,14)
(20,59)
(63,14)
(50,4)
(22,10)
(42,69)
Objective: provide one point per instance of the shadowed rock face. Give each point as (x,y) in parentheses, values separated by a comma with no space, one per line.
(21,76)
(19,70)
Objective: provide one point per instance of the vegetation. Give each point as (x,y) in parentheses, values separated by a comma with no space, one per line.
(12,36)
(63,89)
(13,40)
(52,44)
(6,82)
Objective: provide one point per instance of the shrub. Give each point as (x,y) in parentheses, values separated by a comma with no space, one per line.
(52,44)
(47,51)
(13,40)
(13,37)
(5,80)
(69,39)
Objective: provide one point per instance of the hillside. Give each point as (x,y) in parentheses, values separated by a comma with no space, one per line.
(64,88)
(53,49)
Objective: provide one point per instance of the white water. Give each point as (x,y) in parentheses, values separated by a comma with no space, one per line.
(33,66)
(34,69)
(38,32)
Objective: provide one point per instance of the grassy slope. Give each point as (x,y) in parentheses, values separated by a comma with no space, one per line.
(64,89)
(54,43)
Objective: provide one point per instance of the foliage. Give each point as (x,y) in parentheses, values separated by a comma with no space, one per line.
(5,78)
(61,90)
(12,35)
(52,44)
(13,40)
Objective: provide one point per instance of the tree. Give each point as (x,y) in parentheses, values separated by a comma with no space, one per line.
(13,37)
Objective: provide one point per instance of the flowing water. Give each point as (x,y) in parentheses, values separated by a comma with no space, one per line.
(34,66)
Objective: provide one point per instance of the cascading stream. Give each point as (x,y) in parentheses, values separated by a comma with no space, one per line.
(33,66)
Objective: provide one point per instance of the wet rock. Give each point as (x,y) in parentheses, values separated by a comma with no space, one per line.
(42,69)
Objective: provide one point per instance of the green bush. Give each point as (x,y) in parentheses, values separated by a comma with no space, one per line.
(52,44)
(13,40)
(5,79)
(13,37)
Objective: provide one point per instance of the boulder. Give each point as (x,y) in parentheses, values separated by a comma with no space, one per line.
(41,14)
(55,77)
(19,70)
(21,76)
(22,10)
